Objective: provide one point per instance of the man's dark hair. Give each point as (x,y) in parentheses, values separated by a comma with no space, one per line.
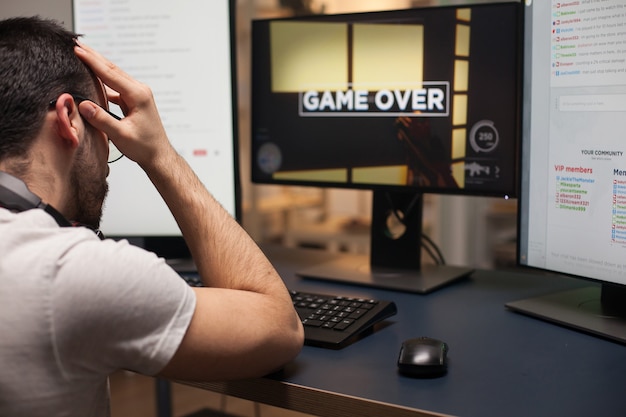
(37,64)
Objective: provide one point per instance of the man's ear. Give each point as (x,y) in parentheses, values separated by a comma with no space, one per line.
(68,120)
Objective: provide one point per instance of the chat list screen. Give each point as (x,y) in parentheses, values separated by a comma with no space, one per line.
(575,176)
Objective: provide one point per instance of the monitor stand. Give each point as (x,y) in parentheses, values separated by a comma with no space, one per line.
(395,256)
(597,310)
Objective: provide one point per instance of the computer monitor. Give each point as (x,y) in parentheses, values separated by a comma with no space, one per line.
(185,53)
(402,102)
(572,204)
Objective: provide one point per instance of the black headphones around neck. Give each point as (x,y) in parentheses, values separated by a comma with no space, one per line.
(15,196)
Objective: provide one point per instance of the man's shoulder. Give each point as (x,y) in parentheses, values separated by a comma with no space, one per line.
(40,242)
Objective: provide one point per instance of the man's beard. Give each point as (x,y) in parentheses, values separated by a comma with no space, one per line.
(89,189)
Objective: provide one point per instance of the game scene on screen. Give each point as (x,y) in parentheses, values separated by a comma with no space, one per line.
(422,98)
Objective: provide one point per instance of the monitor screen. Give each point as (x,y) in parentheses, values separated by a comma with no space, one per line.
(402,102)
(424,100)
(572,204)
(185,54)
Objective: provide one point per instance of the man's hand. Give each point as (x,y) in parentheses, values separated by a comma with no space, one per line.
(140,136)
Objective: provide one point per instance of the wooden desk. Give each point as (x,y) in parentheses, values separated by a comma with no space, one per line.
(501,363)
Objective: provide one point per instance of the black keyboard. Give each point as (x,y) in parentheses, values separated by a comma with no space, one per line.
(331,321)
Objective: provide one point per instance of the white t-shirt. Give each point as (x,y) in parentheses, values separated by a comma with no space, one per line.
(74,309)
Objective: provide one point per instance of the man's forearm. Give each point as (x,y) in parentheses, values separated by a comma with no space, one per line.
(224,253)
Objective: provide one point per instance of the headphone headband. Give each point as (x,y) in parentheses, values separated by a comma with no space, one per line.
(15,195)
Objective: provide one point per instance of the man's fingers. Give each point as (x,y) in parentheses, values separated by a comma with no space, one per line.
(99,118)
(108,72)
(112,95)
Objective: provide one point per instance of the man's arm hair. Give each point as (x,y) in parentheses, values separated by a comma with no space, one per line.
(244,323)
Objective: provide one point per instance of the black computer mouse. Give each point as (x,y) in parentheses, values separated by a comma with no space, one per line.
(423,357)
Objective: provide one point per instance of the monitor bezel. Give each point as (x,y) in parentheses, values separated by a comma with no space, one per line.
(513,192)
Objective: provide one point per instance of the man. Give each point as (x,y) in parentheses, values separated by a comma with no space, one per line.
(74,308)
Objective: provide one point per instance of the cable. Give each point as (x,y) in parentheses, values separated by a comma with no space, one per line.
(430,246)
(426,242)
(430,252)
(406,211)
